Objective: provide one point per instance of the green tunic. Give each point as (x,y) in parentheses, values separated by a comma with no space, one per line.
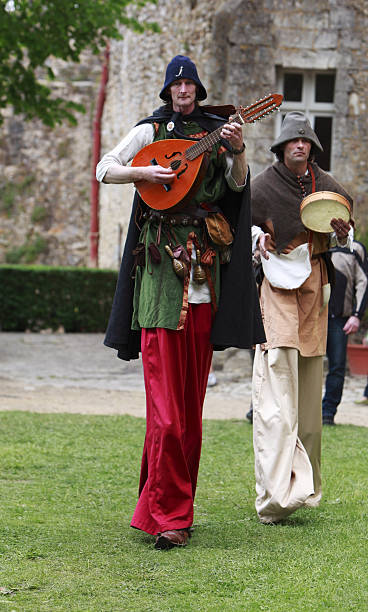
(158,293)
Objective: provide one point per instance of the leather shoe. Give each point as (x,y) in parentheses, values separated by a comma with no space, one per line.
(171,538)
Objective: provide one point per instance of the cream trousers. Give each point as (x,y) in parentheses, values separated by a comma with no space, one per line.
(287,430)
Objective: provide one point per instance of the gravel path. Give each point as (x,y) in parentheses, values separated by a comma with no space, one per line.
(50,372)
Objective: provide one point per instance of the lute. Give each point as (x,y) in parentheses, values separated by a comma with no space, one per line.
(188,160)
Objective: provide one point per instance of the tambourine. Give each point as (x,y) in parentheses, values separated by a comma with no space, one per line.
(317,210)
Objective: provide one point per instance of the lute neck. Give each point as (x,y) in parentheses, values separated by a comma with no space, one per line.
(208,141)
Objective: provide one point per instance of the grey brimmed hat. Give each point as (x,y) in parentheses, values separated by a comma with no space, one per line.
(296,125)
(181,67)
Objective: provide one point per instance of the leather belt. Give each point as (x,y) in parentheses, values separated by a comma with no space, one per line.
(174,219)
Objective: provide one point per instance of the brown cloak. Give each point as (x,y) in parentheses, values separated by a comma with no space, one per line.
(277,194)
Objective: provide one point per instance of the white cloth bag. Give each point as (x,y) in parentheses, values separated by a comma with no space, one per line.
(288,271)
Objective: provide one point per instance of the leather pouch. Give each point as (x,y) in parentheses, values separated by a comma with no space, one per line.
(218,229)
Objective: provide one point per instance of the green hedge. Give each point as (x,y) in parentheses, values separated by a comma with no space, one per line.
(45,297)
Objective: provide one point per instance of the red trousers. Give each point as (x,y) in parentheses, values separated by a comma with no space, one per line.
(176,366)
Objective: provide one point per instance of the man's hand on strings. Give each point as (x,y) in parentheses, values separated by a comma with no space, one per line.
(233,133)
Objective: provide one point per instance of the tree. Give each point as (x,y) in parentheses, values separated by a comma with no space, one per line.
(33,31)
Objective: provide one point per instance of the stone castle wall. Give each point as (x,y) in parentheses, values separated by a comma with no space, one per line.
(45,176)
(238,46)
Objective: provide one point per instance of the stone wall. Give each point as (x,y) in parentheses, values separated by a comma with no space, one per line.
(211,33)
(45,176)
(238,46)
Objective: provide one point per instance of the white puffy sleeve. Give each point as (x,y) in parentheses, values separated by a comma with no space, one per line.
(123,153)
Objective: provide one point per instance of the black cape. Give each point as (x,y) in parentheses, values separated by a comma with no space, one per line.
(238,321)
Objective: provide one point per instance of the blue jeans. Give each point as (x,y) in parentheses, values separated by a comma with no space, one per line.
(336,352)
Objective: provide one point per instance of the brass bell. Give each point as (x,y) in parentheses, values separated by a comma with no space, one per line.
(180,267)
(199,275)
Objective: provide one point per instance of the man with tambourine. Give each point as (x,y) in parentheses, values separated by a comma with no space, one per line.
(298,212)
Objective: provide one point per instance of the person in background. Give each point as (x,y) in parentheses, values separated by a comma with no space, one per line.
(212,379)
(364,399)
(288,368)
(346,308)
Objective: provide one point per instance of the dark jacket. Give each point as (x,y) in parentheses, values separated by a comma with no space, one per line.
(349,296)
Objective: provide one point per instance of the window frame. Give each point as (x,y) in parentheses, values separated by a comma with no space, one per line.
(307,104)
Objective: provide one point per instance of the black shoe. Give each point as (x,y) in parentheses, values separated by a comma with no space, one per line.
(328,420)
(249,416)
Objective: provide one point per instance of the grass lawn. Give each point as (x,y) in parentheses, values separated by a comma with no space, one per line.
(68,486)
